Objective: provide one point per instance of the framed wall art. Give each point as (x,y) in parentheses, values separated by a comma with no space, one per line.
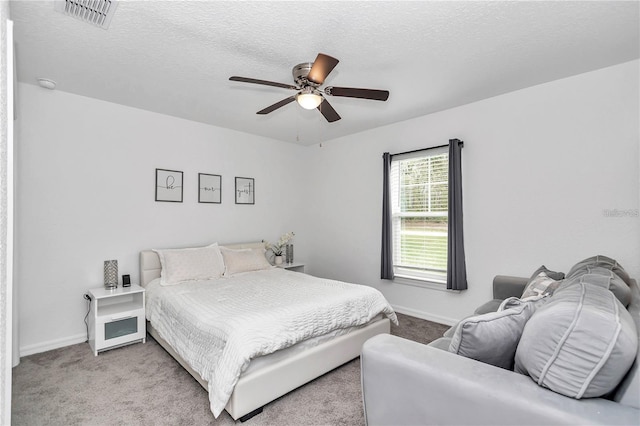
(168,185)
(209,188)
(245,190)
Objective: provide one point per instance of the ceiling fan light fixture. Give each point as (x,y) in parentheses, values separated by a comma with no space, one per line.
(309,77)
(309,99)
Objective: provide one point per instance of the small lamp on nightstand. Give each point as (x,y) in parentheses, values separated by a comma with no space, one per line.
(289,252)
(110,274)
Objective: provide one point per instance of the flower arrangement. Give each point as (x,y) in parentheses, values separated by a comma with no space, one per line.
(278,247)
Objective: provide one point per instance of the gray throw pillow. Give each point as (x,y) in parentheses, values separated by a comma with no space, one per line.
(490,306)
(601,261)
(579,344)
(541,285)
(493,337)
(605,278)
(548,272)
(450,331)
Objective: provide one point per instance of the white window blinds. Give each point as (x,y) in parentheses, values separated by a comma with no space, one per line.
(419,198)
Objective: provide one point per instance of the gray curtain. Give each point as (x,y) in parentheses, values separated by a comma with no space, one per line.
(386,269)
(456,266)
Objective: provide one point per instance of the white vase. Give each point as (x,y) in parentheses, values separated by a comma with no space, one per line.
(278,260)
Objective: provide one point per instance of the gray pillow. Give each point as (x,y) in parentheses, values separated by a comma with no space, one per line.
(541,285)
(450,331)
(493,337)
(491,306)
(604,262)
(605,278)
(548,272)
(579,344)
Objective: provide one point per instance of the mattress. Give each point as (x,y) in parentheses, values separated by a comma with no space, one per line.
(219,326)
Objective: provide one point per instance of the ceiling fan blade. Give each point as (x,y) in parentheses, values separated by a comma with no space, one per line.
(263,82)
(350,92)
(327,110)
(277,105)
(321,68)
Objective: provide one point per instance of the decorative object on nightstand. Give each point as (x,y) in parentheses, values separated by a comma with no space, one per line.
(289,253)
(126,281)
(110,274)
(116,317)
(281,247)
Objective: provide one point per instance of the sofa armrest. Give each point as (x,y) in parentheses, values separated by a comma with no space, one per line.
(506,286)
(408,383)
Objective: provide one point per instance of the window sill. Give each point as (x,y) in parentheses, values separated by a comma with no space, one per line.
(428,284)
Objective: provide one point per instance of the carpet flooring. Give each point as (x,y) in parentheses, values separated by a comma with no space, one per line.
(141,384)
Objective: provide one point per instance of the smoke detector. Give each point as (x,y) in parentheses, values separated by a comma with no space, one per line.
(94,12)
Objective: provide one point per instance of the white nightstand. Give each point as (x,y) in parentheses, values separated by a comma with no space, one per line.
(116,317)
(294,266)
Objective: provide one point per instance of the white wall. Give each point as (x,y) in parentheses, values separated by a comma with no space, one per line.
(539,167)
(86,194)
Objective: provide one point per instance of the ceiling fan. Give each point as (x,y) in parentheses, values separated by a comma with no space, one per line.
(308,78)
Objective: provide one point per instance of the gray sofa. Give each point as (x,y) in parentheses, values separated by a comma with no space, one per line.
(408,383)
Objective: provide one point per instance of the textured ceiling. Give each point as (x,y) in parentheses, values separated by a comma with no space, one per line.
(175,57)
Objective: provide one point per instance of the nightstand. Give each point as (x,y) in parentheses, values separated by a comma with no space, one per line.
(294,266)
(116,317)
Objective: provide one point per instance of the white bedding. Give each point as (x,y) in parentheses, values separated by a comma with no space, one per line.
(218,326)
(273,358)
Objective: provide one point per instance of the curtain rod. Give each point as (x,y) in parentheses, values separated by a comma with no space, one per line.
(461,143)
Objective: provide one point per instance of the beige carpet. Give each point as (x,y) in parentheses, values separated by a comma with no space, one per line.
(142,385)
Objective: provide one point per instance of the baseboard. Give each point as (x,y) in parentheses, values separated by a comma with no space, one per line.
(53,344)
(425,315)
(80,338)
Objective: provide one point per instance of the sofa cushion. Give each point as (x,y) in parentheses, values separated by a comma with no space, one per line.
(493,337)
(601,261)
(450,331)
(540,285)
(606,278)
(628,392)
(490,306)
(441,343)
(580,344)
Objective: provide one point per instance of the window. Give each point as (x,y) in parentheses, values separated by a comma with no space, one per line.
(419,213)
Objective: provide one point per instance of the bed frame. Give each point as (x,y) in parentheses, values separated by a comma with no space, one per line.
(261,386)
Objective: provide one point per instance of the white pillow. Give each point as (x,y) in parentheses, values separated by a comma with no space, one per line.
(190,264)
(244,260)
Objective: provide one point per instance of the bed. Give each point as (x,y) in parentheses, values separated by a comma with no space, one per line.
(269,376)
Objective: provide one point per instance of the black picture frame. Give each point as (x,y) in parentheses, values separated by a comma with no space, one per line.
(169,185)
(245,190)
(209,188)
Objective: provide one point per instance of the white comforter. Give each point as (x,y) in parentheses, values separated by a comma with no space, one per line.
(219,326)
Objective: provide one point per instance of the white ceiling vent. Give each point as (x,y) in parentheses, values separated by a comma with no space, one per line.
(94,12)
